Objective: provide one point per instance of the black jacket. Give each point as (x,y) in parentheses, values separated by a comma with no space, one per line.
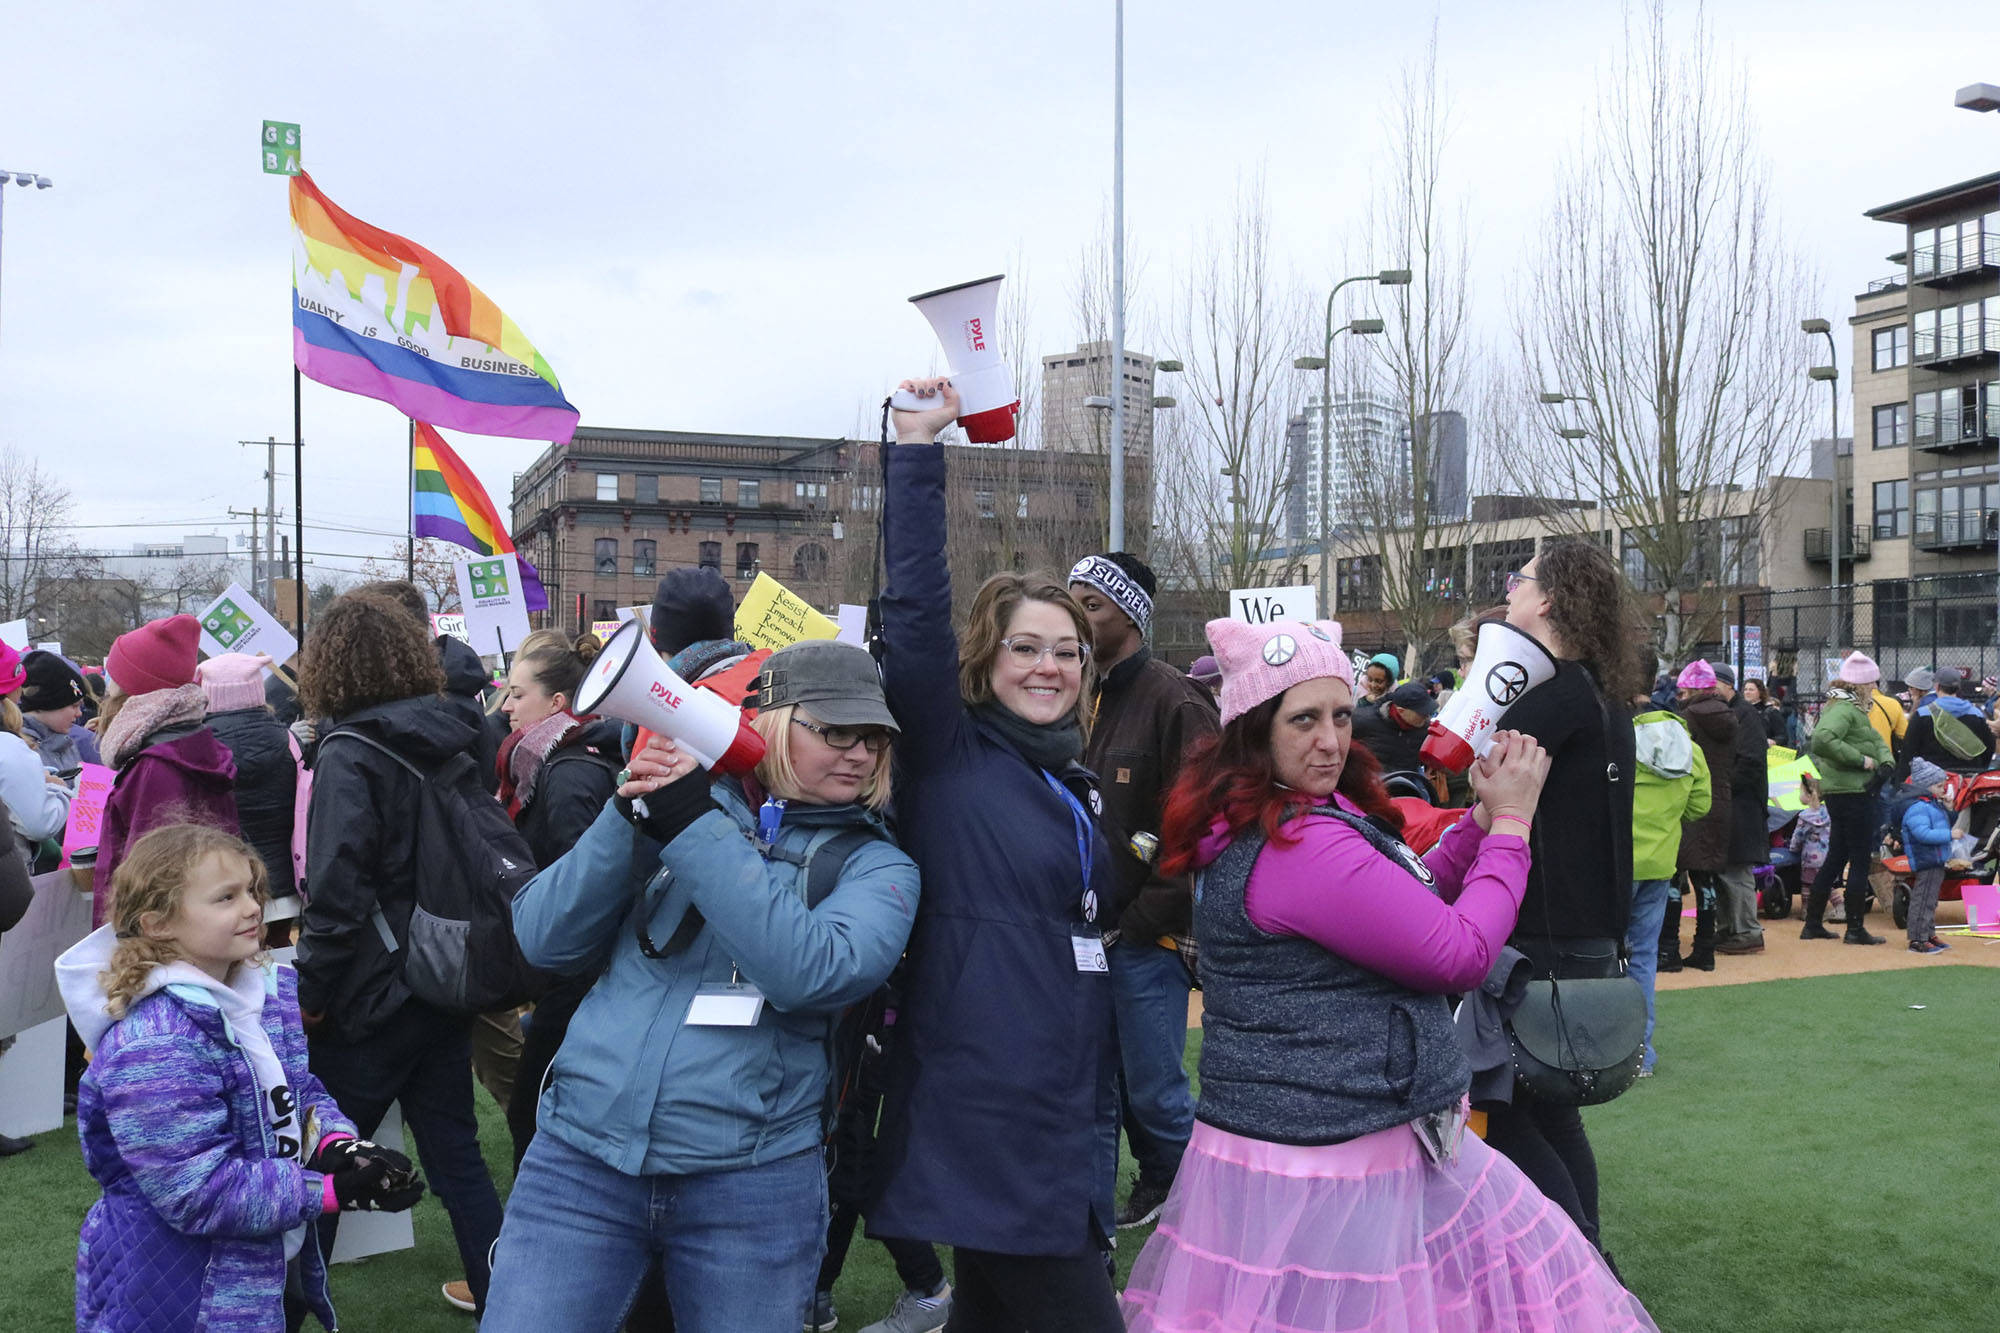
(361,860)
(465,687)
(1705,843)
(1921,742)
(1148,714)
(576,780)
(1580,884)
(266,785)
(1749,788)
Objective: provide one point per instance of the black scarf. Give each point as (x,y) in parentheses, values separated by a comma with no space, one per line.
(1050,745)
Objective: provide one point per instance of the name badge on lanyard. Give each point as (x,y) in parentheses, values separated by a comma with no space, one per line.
(1087,944)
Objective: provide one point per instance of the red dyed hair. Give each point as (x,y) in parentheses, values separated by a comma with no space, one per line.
(1231,777)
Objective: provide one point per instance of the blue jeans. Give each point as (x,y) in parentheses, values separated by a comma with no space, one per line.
(740,1248)
(1642,945)
(1149,993)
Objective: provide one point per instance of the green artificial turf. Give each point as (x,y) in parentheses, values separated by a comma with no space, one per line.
(1813,1155)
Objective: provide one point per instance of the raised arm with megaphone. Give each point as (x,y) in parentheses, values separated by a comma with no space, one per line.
(963,317)
(1509,663)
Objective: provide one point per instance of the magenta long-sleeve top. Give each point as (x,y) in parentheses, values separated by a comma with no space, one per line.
(1332,887)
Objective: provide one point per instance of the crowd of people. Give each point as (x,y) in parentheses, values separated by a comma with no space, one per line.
(924,970)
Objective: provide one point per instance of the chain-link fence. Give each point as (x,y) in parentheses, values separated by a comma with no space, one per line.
(1796,636)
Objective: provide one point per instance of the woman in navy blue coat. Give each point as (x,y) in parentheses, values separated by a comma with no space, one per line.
(1004,1060)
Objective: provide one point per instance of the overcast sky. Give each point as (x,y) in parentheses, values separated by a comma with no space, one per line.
(708,216)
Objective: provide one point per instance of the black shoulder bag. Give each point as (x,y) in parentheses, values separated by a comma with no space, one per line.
(1580,1042)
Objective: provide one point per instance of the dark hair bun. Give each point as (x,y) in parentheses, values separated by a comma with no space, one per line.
(587,648)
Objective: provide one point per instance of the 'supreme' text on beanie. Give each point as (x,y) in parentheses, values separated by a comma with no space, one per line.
(156,656)
(1261,662)
(1105,575)
(1859,668)
(234,680)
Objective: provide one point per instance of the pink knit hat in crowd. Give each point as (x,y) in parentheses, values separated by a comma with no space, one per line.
(1697,675)
(1260,662)
(1859,669)
(156,656)
(233,681)
(12,674)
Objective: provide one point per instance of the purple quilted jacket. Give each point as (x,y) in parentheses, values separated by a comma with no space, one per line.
(190,1232)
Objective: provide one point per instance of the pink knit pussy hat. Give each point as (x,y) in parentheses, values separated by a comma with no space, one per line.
(1697,675)
(1859,669)
(1261,662)
(234,680)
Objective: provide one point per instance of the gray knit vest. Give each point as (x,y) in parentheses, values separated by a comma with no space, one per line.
(1299,1045)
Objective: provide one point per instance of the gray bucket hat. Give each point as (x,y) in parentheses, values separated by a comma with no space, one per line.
(836,682)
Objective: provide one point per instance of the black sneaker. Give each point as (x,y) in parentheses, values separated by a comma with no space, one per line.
(1144,1203)
(1859,935)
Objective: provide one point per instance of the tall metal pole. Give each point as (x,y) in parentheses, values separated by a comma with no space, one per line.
(410,481)
(298,503)
(1117,542)
(1326,457)
(1839,516)
(270,588)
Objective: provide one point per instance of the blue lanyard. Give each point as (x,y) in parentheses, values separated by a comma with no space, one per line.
(1086,850)
(769,816)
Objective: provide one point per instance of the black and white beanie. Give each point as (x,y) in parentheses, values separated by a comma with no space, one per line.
(1118,579)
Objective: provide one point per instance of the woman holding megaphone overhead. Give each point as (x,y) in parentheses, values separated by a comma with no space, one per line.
(1570,597)
(1004,1064)
(684,1116)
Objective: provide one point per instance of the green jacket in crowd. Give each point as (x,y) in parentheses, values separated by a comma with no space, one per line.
(1672,789)
(1840,742)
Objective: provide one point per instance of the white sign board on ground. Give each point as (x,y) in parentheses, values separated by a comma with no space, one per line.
(1260,605)
(31,1081)
(496,608)
(58,917)
(234,623)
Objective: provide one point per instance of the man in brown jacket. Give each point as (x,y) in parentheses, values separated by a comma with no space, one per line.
(1148,715)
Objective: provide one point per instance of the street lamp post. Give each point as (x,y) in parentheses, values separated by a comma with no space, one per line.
(23,179)
(1118,281)
(1984,97)
(1830,372)
(1388,277)
(1557,397)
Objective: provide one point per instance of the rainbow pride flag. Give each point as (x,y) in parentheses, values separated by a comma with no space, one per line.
(379,315)
(449,503)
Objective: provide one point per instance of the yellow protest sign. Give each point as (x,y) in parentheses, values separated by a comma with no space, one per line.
(773,616)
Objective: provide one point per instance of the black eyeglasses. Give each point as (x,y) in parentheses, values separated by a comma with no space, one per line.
(1517,578)
(874,740)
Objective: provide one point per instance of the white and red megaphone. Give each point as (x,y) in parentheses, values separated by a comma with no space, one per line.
(629,681)
(1508,664)
(963,319)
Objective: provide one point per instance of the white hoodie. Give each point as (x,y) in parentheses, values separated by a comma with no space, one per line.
(79,973)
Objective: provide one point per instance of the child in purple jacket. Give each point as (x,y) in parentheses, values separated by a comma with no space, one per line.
(214,1144)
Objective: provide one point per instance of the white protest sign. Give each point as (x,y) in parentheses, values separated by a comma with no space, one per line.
(52,646)
(496,609)
(15,635)
(1752,650)
(58,917)
(448,622)
(1259,605)
(853,622)
(234,623)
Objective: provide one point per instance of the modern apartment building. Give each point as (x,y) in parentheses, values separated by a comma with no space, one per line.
(1068,378)
(1370,464)
(1926,394)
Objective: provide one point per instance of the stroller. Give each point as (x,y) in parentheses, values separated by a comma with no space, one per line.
(1979,793)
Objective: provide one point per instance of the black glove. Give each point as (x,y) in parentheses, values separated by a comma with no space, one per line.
(661,815)
(337,1154)
(371,1185)
(691,605)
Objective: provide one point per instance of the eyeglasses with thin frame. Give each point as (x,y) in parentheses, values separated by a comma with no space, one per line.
(1026,652)
(1517,578)
(843,739)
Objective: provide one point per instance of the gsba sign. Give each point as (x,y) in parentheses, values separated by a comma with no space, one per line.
(1259,605)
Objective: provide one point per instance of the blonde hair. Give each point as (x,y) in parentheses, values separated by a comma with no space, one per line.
(108,704)
(782,780)
(10,715)
(993,607)
(146,892)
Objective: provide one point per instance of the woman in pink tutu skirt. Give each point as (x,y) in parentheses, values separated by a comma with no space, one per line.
(1329,1184)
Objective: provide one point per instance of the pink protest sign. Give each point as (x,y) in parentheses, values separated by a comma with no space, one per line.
(86,812)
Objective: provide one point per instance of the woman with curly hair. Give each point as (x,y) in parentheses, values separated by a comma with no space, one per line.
(370,669)
(1578,903)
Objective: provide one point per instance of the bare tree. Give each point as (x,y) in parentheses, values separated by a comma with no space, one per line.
(434,572)
(1667,301)
(35,544)
(187,584)
(1406,487)
(1223,456)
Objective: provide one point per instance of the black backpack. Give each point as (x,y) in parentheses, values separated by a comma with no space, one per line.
(460,955)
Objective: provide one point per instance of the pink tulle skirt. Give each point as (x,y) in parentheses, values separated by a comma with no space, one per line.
(1368,1234)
